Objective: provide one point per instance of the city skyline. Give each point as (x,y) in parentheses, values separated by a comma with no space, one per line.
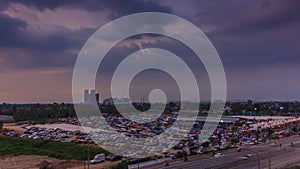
(257,42)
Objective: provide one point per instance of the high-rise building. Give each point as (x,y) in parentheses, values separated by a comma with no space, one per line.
(93,92)
(97,95)
(86,96)
(90,95)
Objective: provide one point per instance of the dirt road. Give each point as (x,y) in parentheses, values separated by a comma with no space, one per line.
(35,161)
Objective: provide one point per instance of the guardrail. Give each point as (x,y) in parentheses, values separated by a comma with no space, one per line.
(148,163)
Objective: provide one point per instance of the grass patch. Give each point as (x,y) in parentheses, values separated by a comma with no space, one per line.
(120,165)
(23,146)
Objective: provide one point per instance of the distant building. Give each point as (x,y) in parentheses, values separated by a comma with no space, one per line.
(112,101)
(108,102)
(97,95)
(6,119)
(249,105)
(86,96)
(90,95)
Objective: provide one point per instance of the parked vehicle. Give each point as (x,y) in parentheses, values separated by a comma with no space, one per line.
(113,157)
(172,155)
(98,159)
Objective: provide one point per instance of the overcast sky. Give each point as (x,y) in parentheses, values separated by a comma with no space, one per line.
(258,43)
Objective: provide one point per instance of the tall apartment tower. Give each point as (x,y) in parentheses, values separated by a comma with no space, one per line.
(89,95)
(97,95)
(86,96)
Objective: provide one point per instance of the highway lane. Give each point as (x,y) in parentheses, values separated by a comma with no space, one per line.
(288,157)
(232,158)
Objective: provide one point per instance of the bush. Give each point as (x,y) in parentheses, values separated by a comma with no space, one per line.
(120,165)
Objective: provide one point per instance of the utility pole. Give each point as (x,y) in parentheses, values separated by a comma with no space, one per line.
(269,152)
(84,158)
(88,155)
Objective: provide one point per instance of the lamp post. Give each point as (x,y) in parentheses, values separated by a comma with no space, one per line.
(84,158)
(88,155)
(269,152)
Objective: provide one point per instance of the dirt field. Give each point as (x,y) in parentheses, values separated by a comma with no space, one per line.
(13,126)
(34,162)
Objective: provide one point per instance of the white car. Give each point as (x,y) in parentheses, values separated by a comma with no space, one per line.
(248,155)
(218,155)
(244,158)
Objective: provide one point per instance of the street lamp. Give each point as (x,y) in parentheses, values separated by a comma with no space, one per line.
(269,152)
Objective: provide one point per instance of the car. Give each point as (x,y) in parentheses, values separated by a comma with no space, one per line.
(252,143)
(222,147)
(218,155)
(172,155)
(273,145)
(114,158)
(198,151)
(178,147)
(179,154)
(244,158)
(248,155)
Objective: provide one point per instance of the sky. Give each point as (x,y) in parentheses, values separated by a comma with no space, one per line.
(257,41)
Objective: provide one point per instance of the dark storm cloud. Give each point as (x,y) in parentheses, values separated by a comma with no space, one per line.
(41,5)
(253,38)
(60,39)
(14,34)
(116,7)
(270,15)
(41,48)
(245,16)
(249,33)
(23,49)
(10,29)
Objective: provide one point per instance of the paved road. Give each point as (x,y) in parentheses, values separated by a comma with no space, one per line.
(284,159)
(280,157)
